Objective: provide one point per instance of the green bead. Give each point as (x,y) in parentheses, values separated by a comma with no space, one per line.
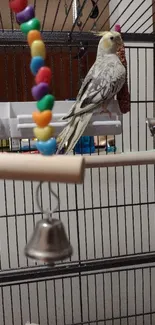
(33,24)
(46,103)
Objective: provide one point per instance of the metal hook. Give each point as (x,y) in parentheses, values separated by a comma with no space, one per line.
(46,212)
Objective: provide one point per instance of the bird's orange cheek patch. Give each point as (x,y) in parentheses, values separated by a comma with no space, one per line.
(106,44)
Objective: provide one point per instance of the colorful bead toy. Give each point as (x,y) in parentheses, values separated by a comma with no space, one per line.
(36,63)
(30,26)
(25,15)
(39,91)
(42,119)
(46,103)
(47,148)
(33,35)
(43,134)
(44,75)
(38,49)
(18,5)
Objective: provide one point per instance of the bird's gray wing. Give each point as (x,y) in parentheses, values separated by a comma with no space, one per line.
(106,79)
(103,83)
(88,79)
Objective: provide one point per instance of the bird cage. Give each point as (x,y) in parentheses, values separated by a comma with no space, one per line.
(109,218)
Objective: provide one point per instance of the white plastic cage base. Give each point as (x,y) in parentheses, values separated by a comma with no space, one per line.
(16,120)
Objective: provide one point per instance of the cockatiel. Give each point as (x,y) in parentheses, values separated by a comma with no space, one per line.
(103,81)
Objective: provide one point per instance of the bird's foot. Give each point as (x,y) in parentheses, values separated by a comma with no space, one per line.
(58,140)
(104,110)
(110,114)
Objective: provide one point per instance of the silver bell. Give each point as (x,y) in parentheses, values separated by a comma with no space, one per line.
(49,242)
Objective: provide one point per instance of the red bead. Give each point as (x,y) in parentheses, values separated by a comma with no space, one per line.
(18,5)
(44,75)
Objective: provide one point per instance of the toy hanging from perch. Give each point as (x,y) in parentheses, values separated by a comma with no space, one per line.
(49,242)
(30,26)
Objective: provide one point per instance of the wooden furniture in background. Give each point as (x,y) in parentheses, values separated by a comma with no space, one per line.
(17,80)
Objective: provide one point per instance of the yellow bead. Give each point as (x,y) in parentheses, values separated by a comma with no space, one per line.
(43,134)
(38,49)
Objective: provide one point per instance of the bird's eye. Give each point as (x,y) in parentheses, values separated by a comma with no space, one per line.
(111,38)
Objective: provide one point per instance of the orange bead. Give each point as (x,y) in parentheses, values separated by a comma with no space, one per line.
(33,35)
(42,119)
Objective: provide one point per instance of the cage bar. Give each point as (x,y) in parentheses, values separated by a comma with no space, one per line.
(58,38)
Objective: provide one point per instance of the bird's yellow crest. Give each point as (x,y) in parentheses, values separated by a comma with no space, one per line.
(100,34)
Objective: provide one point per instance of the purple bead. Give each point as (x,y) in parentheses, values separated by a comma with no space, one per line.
(39,91)
(25,15)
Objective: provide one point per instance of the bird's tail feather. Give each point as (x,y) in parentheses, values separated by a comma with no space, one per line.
(72,132)
(81,111)
(77,110)
(65,134)
(70,113)
(68,119)
(79,130)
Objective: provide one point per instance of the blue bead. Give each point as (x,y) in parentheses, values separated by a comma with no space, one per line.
(47,148)
(37,62)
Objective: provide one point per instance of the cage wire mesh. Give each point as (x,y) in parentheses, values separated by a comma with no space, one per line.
(110,218)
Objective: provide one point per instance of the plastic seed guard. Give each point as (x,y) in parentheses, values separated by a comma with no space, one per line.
(30,26)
